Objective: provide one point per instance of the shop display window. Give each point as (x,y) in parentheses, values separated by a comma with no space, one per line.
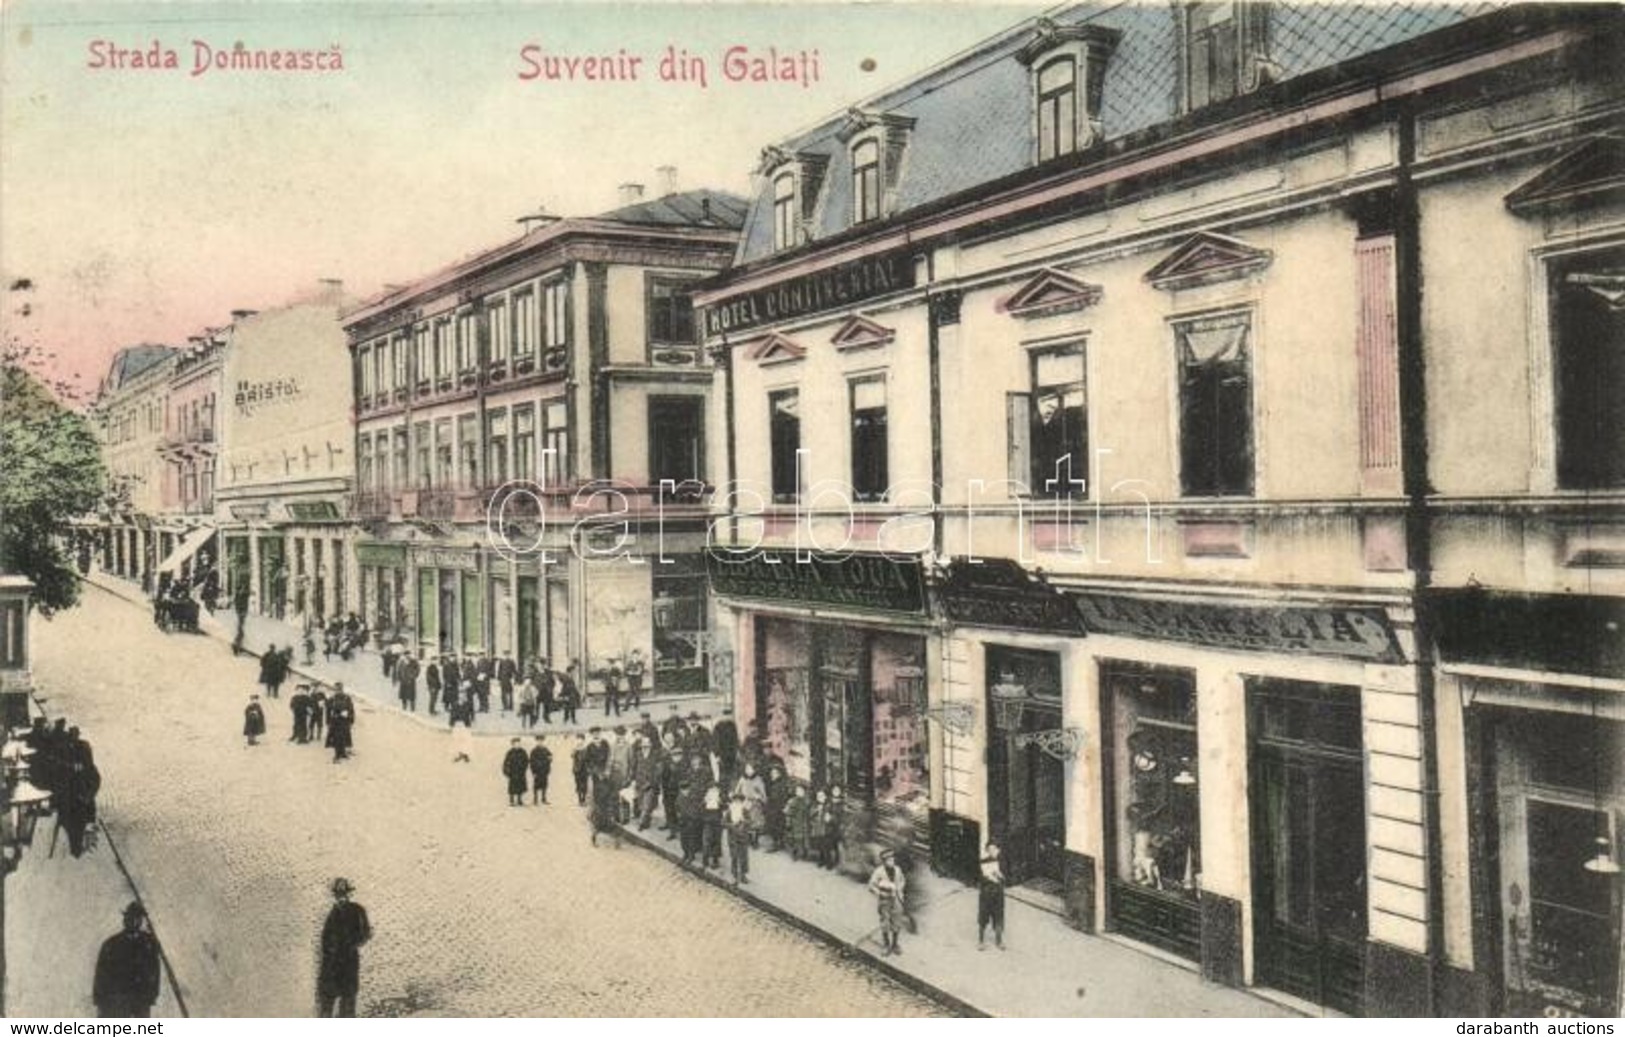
(1155,781)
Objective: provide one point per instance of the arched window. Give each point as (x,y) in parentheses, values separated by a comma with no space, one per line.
(1057,108)
(865,181)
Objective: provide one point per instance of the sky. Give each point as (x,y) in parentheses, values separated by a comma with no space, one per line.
(143,205)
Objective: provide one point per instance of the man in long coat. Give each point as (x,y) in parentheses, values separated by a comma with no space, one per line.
(516,768)
(340,719)
(541,764)
(431,677)
(406,677)
(507,672)
(338,978)
(126,983)
(253,720)
(300,704)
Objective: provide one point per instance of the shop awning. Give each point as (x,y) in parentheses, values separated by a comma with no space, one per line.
(188,547)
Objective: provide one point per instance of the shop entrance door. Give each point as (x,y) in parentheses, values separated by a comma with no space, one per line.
(448,613)
(1559,790)
(1308,841)
(1026,785)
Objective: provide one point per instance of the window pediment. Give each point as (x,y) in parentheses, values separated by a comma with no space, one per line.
(858,332)
(1206,259)
(775,349)
(1049,293)
(1592,172)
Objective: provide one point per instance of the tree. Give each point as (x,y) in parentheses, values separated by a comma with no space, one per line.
(50,471)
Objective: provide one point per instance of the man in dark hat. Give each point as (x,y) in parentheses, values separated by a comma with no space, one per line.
(507,672)
(338,978)
(340,719)
(126,983)
(570,693)
(301,705)
(406,680)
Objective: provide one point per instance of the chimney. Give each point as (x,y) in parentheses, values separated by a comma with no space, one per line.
(668,180)
(540,218)
(237,315)
(631,194)
(705,210)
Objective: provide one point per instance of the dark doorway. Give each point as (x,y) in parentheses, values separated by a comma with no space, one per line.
(1308,841)
(1026,785)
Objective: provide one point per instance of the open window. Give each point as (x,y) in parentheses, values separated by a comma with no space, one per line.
(1049,426)
(1215,405)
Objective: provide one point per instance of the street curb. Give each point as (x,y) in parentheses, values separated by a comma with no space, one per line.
(846,949)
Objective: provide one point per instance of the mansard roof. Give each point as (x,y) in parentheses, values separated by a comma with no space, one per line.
(972,114)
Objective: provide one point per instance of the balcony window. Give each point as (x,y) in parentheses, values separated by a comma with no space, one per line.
(444,359)
(442,454)
(496,318)
(523,327)
(555,444)
(496,447)
(676,439)
(468,450)
(425,454)
(468,342)
(556,316)
(402,459)
(524,442)
(424,355)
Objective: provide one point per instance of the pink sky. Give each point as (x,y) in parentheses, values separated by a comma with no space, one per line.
(145,205)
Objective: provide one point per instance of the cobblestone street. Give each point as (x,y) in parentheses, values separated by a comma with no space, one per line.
(478,908)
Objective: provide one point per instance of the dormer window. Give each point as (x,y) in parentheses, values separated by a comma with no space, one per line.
(1068,64)
(784,211)
(865,180)
(1226,50)
(875,143)
(1057,109)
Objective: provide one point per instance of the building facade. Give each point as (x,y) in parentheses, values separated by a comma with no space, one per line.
(531,444)
(1181,444)
(130,416)
(283,483)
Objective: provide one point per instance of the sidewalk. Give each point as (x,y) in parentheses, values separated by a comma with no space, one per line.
(363,675)
(1047,969)
(57,913)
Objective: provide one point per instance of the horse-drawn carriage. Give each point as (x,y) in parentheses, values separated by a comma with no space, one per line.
(175,612)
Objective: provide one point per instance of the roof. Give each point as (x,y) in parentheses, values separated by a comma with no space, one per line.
(133,360)
(972,114)
(700,208)
(702,213)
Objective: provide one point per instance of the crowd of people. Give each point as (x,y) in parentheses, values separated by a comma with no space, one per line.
(64,765)
(318,718)
(462,686)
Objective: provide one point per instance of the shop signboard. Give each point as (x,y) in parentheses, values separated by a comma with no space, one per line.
(842,285)
(871,582)
(1347,633)
(999,593)
(388,556)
